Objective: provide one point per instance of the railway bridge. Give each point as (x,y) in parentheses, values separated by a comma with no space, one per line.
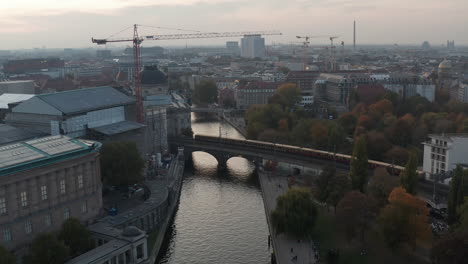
(256,151)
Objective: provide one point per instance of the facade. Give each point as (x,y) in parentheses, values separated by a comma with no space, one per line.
(233,47)
(255,93)
(43,183)
(253,46)
(52,67)
(304,80)
(17,87)
(442,152)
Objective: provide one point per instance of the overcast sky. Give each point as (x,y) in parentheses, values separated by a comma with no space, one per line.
(72,23)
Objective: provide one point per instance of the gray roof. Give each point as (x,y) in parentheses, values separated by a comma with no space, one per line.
(9,134)
(85,100)
(117,128)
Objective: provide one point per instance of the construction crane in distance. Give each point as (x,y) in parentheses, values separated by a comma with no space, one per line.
(332,53)
(305,46)
(137,40)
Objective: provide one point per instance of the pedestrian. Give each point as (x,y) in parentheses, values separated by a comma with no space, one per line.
(292,250)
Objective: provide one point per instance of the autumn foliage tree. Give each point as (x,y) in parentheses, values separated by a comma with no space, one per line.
(404,220)
(451,248)
(381,185)
(355,213)
(457,193)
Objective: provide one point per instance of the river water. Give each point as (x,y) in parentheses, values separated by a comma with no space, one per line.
(221,218)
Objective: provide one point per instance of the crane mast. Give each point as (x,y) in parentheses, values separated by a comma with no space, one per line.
(137,40)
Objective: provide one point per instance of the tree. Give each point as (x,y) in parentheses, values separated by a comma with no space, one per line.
(377,144)
(409,177)
(348,121)
(463,213)
(76,237)
(6,257)
(356,211)
(121,163)
(290,93)
(323,181)
(295,213)
(381,185)
(188,132)
(338,186)
(359,162)
(404,220)
(457,193)
(205,92)
(450,249)
(47,249)
(319,135)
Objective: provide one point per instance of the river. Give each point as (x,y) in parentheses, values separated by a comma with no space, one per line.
(221,218)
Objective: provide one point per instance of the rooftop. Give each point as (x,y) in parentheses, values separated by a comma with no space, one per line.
(85,100)
(117,128)
(8,98)
(10,134)
(38,152)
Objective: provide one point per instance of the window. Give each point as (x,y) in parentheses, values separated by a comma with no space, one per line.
(84,207)
(62,187)
(80,181)
(66,213)
(28,227)
(44,192)
(6,234)
(140,251)
(48,220)
(24,199)
(3,209)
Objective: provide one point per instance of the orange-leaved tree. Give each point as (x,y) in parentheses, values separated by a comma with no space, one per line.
(404,220)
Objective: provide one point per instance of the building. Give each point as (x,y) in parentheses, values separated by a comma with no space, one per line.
(253,46)
(73,113)
(442,152)
(255,93)
(304,80)
(52,67)
(104,54)
(44,182)
(233,47)
(17,87)
(8,100)
(114,246)
(9,134)
(153,81)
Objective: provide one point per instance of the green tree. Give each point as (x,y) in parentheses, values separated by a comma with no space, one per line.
(322,182)
(284,70)
(451,249)
(381,185)
(404,220)
(76,237)
(356,211)
(205,92)
(290,93)
(295,213)
(6,257)
(359,162)
(463,213)
(348,121)
(338,186)
(47,249)
(457,193)
(121,163)
(409,177)
(188,132)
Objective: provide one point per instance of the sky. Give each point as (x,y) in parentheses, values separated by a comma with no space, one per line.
(28,24)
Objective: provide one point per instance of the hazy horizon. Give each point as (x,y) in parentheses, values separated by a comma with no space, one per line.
(71,24)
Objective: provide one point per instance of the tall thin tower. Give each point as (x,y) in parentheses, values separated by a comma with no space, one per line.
(354,35)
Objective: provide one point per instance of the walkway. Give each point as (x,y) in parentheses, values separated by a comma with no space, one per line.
(272,187)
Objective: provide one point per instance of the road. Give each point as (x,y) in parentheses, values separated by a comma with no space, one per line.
(286,248)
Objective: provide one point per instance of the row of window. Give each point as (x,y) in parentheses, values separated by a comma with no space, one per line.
(44,196)
(260,91)
(439,150)
(28,226)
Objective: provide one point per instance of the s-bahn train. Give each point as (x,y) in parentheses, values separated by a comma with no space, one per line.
(313,153)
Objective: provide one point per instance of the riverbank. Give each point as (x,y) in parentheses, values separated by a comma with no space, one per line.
(174,186)
(236,122)
(285,248)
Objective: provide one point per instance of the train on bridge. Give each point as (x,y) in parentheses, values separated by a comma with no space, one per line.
(313,153)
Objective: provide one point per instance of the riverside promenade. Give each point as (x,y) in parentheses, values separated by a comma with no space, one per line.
(287,250)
